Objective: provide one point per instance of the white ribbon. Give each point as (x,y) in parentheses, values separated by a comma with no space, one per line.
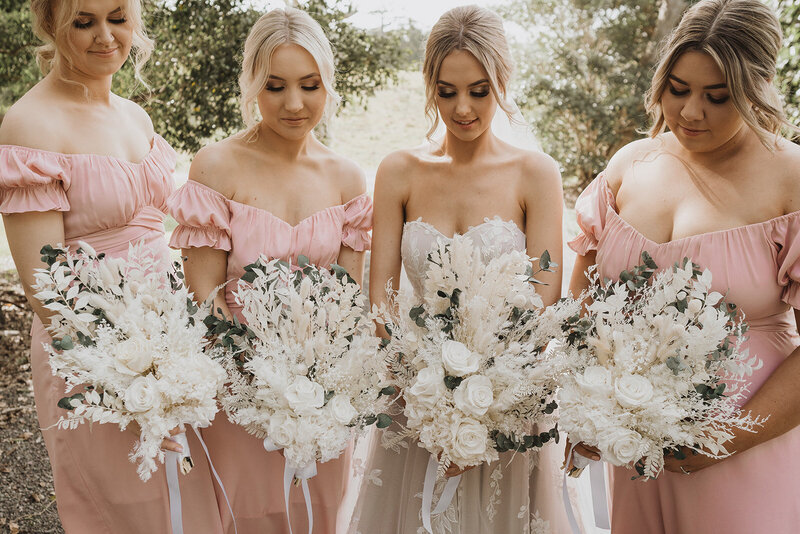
(183,460)
(216,477)
(598,488)
(427,493)
(290,472)
(175,459)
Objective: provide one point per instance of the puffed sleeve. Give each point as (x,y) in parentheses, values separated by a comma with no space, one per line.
(203,217)
(786,233)
(591,209)
(32,180)
(358,223)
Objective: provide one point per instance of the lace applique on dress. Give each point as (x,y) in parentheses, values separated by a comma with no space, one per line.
(493,236)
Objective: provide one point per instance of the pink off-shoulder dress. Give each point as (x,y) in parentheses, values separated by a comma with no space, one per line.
(253,477)
(107,202)
(758,266)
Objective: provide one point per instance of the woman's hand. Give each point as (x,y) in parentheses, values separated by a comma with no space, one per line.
(169,444)
(692,462)
(454,470)
(592,453)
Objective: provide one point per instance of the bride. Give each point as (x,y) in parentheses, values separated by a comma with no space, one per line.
(469,183)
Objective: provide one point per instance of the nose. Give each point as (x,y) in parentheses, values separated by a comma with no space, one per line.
(693,109)
(103,34)
(463,108)
(294,101)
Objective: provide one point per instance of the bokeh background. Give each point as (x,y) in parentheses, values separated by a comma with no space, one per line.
(582,69)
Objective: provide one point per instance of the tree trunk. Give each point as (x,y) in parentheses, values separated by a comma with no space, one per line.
(669,14)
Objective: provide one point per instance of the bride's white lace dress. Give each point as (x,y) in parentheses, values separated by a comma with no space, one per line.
(492,498)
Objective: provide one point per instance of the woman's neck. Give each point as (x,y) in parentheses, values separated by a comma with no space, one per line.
(78,86)
(289,149)
(460,151)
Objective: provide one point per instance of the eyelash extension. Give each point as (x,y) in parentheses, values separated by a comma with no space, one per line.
(480,94)
(274,89)
(442,94)
(678,93)
(84,25)
(310,88)
(718,100)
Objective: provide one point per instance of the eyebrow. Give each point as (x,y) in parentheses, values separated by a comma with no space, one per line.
(85,14)
(306,77)
(473,84)
(715,86)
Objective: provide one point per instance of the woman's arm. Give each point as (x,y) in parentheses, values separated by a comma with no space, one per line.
(777,398)
(352,260)
(27,233)
(205,269)
(544,209)
(387,233)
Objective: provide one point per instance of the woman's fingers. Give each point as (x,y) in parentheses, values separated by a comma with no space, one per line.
(168,444)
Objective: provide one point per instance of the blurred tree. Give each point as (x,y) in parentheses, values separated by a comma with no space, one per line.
(18,70)
(789,62)
(584,75)
(193,73)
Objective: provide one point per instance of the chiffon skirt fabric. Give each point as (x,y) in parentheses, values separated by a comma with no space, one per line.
(253,481)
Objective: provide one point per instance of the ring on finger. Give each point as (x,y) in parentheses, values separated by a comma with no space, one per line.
(684,471)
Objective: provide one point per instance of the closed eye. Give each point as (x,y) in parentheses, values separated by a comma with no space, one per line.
(675,92)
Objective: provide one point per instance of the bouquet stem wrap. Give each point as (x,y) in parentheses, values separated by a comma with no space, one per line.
(448,493)
(290,472)
(597,480)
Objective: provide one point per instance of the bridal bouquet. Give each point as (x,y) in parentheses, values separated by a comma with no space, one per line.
(656,364)
(303,372)
(127,333)
(470,358)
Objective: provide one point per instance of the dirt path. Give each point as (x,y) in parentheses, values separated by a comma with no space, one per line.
(27,499)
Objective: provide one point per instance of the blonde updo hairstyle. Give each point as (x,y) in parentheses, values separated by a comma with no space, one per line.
(283,26)
(478,31)
(52,21)
(743,37)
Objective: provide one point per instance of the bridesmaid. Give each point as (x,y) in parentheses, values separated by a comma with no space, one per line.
(273,189)
(78,162)
(722,188)
(468,183)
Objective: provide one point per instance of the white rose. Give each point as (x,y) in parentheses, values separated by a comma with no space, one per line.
(695,305)
(595,379)
(282,430)
(131,359)
(633,390)
(341,409)
(304,396)
(474,395)
(142,395)
(458,359)
(429,386)
(620,446)
(469,439)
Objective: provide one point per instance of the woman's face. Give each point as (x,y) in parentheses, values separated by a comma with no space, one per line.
(293,101)
(697,105)
(100,38)
(464,96)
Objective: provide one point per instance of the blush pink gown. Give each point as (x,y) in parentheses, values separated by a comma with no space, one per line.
(253,477)
(107,202)
(759,266)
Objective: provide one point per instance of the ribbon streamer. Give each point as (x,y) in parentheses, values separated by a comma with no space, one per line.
(598,488)
(290,472)
(216,477)
(184,461)
(175,459)
(427,493)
